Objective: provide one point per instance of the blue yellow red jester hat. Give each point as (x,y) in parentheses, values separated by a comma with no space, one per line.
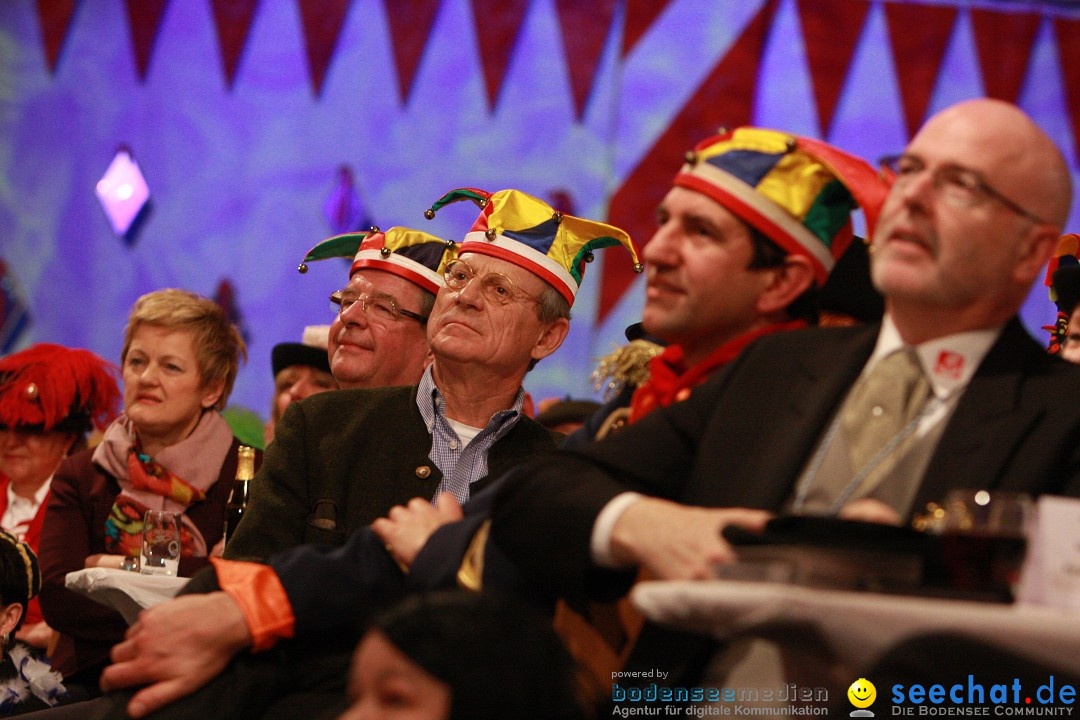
(526,231)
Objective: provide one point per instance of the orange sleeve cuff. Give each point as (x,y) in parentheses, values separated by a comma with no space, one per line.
(256,589)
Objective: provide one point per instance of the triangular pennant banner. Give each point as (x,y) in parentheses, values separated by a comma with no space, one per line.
(1068,42)
(144,19)
(1004,41)
(640,15)
(55,17)
(584,28)
(497,25)
(725,98)
(919,35)
(410,24)
(232,20)
(831,30)
(322,21)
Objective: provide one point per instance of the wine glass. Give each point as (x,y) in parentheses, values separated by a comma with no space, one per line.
(160,543)
(985,537)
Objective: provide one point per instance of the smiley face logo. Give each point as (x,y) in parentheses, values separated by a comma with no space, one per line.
(862,693)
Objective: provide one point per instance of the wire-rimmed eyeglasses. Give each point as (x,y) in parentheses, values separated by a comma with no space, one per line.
(959,185)
(496,287)
(379,307)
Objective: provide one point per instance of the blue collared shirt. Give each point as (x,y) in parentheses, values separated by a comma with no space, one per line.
(461,465)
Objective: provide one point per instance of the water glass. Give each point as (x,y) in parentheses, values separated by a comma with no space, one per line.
(160,543)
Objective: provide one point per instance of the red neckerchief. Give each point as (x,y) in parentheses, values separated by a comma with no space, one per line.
(670,381)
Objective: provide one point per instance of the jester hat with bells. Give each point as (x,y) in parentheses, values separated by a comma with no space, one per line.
(50,387)
(1063,279)
(414,255)
(798,191)
(526,231)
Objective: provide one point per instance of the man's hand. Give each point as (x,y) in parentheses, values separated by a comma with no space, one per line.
(678,542)
(104,560)
(175,648)
(406,529)
(870,510)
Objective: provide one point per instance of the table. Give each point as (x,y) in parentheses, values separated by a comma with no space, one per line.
(123,590)
(856,626)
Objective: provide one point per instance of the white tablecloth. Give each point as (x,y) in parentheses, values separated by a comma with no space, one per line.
(858,626)
(127,592)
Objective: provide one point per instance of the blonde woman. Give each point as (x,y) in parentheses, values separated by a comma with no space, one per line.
(169,450)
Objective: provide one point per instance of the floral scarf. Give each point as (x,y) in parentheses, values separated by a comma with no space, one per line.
(177,477)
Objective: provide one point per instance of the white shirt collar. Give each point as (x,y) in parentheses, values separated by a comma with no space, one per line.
(39,496)
(948,362)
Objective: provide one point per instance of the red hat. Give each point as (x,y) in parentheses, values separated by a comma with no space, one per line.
(52,387)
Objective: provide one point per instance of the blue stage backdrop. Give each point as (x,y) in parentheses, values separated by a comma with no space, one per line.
(242,113)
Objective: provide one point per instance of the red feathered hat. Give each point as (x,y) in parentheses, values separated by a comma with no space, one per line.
(52,387)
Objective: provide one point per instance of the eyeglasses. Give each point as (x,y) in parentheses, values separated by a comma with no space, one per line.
(496,287)
(379,307)
(960,186)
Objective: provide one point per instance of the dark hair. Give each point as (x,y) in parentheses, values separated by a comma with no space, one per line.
(767,254)
(20,577)
(500,658)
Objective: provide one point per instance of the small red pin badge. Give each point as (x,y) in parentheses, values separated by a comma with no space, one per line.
(949,364)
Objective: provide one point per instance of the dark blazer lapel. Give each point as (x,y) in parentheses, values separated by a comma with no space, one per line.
(802,404)
(988,421)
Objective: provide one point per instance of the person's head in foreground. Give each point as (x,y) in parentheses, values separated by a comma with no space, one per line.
(978,200)
(377,337)
(461,656)
(26,683)
(50,397)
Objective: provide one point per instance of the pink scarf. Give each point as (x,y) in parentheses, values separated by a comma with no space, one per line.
(173,479)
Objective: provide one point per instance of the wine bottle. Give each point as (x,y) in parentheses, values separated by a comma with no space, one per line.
(238,495)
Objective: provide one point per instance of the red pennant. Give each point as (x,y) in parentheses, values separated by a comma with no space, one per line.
(232,20)
(497,24)
(410,25)
(1004,42)
(640,15)
(584,28)
(919,35)
(1068,42)
(831,29)
(55,17)
(144,19)
(726,98)
(322,21)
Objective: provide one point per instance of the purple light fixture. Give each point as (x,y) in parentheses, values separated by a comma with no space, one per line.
(123,193)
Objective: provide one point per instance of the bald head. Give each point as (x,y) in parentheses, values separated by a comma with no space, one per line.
(1014,154)
(971,219)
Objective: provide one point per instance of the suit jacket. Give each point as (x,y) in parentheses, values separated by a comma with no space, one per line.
(743,438)
(342,459)
(82,496)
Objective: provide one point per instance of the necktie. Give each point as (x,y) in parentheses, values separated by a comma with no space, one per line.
(883,403)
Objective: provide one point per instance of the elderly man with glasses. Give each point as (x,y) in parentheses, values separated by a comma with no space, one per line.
(504,306)
(341,460)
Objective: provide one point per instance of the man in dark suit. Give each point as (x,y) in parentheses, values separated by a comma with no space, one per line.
(978,200)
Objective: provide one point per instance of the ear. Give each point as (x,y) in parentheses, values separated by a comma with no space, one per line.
(212,393)
(9,617)
(1034,252)
(788,282)
(551,337)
